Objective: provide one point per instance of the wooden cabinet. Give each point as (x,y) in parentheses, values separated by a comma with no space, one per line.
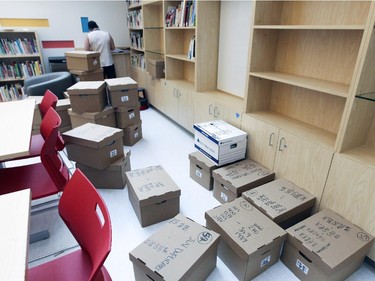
(20,57)
(155,89)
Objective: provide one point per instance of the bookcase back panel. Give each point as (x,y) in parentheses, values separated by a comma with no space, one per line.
(154,40)
(178,41)
(180,70)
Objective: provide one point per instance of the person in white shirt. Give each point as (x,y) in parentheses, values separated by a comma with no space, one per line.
(101,41)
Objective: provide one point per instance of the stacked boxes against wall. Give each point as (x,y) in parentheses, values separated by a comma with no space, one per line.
(84,65)
(124,99)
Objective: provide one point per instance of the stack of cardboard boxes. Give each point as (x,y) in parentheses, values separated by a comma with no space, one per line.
(84,65)
(124,99)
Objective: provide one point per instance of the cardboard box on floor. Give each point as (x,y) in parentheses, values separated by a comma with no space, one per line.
(231,180)
(82,60)
(88,96)
(132,134)
(181,250)
(94,145)
(94,75)
(282,201)
(201,169)
(126,116)
(106,117)
(122,92)
(325,247)
(155,197)
(220,141)
(112,177)
(250,242)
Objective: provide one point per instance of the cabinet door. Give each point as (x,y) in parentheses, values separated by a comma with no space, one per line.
(261,142)
(185,99)
(302,162)
(203,108)
(171,101)
(155,93)
(226,113)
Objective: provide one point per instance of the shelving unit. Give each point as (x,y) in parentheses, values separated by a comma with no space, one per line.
(20,57)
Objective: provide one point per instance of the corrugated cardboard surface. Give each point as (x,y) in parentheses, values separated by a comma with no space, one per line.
(325,246)
(201,169)
(94,75)
(123,97)
(88,96)
(132,134)
(247,236)
(126,116)
(105,117)
(121,83)
(82,60)
(181,250)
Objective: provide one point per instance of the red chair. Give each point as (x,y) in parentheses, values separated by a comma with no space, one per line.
(44,178)
(84,212)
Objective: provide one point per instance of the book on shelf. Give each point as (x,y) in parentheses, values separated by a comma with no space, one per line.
(11,92)
(182,15)
(18,46)
(191,52)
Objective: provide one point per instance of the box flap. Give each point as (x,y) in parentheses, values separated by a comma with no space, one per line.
(93,135)
(83,73)
(240,174)
(82,54)
(175,248)
(244,228)
(86,87)
(329,236)
(121,83)
(280,199)
(93,115)
(152,185)
(200,159)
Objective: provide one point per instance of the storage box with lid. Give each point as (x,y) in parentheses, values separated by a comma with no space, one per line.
(122,92)
(126,116)
(201,169)
(231,180)
(250,242)
(325,247)
(88,96)
(94,145)
(132,134)
(154,195)
(94,75)
(106,117)
(220,141)
(156,68)
(282,201)
(83,60)
(112,177)
(180,250)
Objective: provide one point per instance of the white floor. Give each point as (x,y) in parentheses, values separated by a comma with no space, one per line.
(166,144)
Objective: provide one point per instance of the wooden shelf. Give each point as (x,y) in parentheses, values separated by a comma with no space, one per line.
(364,154)
(20,56)
(181,57)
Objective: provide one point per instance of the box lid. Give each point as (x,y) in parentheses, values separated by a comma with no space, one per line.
(115,166)
(280,199)
(331,238)
(93,115)
(92,135)
(151,185)
(201,160)
(243,227)
(133,127)
(121,83)
(84,73)
(86,88)
(127,109)
(82,54)
(239,174)
(220,132)
(174,250)
(156,62)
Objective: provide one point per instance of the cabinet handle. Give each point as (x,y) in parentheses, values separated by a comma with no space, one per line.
(178,93)
(210,109)
(270,141)
(282,144)
(216,111)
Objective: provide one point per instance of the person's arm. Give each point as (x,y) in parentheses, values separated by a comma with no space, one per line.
(111,42)
(86,44)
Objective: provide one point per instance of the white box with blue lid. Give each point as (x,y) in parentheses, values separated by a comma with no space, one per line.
(220,141)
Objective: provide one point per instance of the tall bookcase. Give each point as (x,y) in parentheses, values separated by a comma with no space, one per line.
(20,57)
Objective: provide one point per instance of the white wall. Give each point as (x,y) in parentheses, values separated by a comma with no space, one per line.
(65,20)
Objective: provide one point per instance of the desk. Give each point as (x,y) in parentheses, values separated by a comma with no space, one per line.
(14,235)
(16,122)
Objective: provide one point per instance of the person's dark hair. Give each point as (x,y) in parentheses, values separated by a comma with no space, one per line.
(92,25)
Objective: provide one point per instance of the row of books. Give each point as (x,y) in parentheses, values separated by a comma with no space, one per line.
(18,46)
(11,92)
(136,40)
(182,15)
(191,51)
(130,3)
(18,70)
(134,19)
(138,60)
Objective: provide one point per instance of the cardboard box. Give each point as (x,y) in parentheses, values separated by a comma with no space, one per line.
(153,194)
(181,250)
(88,96)
(94,145)
(126,116)
(282,201)
(105,117)
(83,60)
(122,92)
(325,247)
(94,75)
(250,242)
(132,134)
(220,141)
(112,177)
(231,180)
(201,169)
(156,68)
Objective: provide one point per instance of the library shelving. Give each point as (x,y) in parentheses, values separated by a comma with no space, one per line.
(20,57)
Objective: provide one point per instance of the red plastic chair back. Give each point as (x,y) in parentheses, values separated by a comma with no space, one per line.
(86,215)
(49,100)
(51,160)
